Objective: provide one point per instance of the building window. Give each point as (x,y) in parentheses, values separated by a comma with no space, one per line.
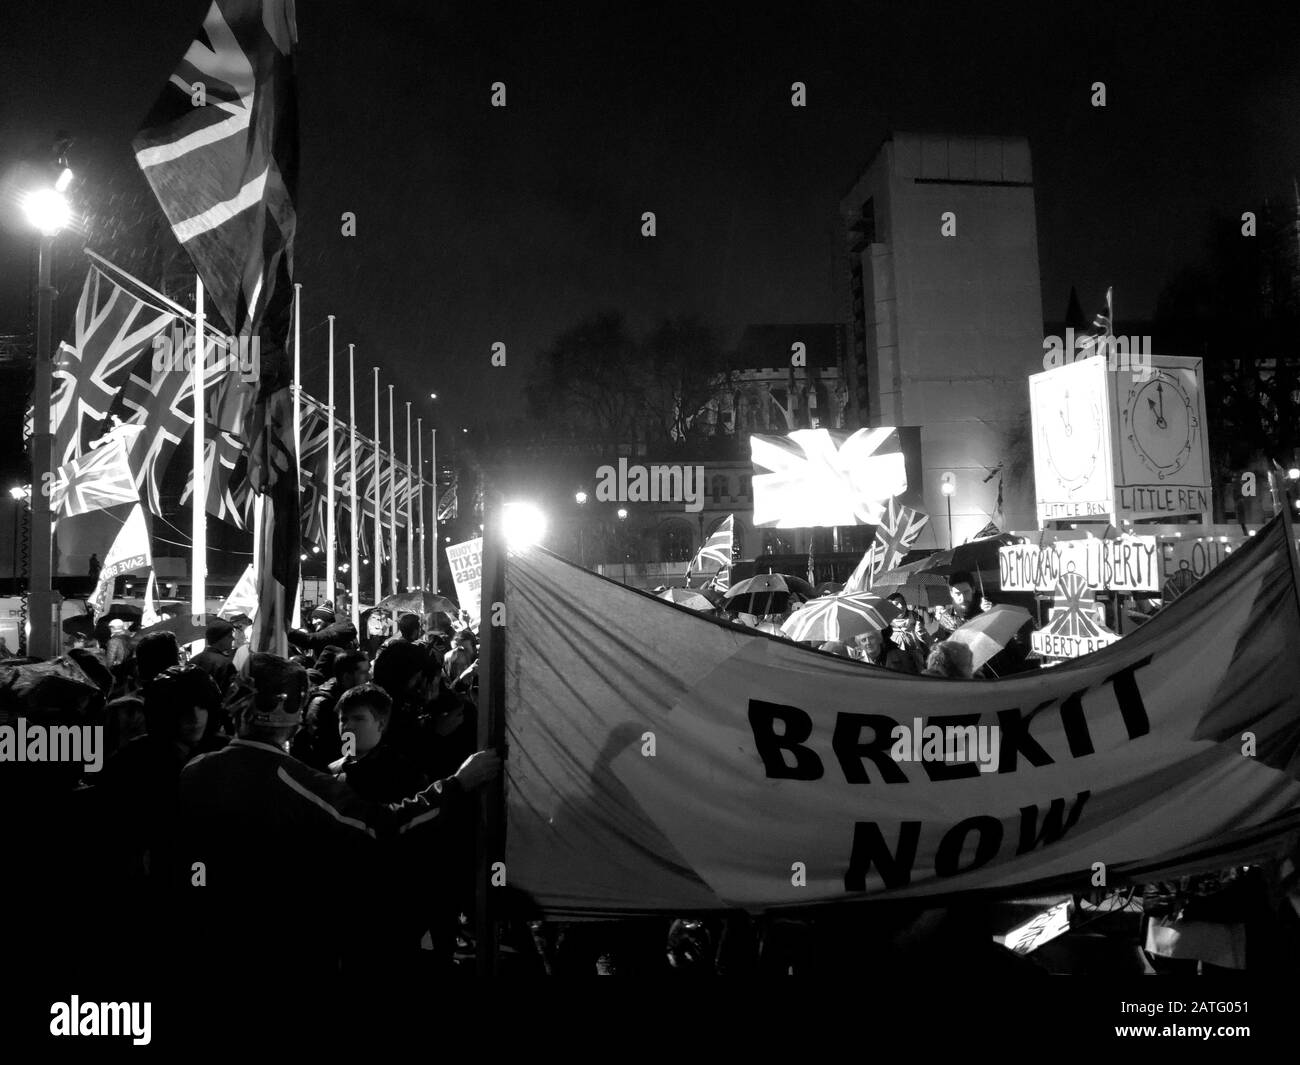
(675,541)
(719,489)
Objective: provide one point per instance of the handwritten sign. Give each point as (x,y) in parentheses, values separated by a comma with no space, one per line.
(1074,628)
(466,561)
(1127,564)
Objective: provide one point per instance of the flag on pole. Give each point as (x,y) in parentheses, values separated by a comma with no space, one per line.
(220,151)
(449,505)
(991,529)
(130,552)
(149,616)
(897,531)
(112,332)
(1103,324)
(242,598)
(811,578)
(715,555)
(97,480)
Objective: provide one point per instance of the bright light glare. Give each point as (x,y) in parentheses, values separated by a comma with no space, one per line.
(47,210)
(17,492)
(948,488)
(1294,473)
(581,497)
(65,179)
(622,513)
(525,525)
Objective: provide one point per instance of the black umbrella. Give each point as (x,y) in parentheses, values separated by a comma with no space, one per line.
(773,592)
(182,627)
(979,554)
(81,625)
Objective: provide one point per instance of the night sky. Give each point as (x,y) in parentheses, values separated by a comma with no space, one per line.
(477,224)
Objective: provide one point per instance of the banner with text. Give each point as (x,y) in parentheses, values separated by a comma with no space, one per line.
(664,762)
(466,561)
(1128,564)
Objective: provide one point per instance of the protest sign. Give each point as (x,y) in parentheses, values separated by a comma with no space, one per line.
(466,561)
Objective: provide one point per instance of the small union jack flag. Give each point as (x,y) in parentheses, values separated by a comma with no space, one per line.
(897,532)
(715,554)
(1072,609)
(97,480)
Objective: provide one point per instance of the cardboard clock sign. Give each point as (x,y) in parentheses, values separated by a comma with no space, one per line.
(1117,444)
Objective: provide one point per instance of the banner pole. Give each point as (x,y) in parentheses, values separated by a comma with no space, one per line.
(198,504)
(392,496)
(374,481)
(410,522)
(490,836)
(296,611)
(331,558)
(354,516)
(433,458)
(419,436)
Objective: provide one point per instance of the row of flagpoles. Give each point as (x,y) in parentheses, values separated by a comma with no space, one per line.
(106,346)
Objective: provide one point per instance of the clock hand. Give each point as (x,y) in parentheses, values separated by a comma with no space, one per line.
(1160,421)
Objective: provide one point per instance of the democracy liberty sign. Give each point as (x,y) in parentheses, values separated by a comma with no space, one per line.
(664,762)
(1126,564)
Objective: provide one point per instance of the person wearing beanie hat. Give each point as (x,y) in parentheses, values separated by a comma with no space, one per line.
(279,843)
(216,658)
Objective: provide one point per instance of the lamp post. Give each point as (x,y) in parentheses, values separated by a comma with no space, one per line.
(581,498)
(948,486)
(48,212)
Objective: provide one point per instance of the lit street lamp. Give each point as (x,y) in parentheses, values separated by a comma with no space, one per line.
(47,212)
(948,485)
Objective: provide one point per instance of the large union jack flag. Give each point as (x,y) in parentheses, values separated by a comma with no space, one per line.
(112,331)
(820,478)
(97,480)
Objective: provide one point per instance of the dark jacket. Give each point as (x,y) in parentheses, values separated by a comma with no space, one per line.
(317,743)
(219,667)
(383,775)
(340,634)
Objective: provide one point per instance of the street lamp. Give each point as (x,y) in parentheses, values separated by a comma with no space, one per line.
(581,497)
(47,211)
(948,486)
(433,395)
(1294,473)
(622,513)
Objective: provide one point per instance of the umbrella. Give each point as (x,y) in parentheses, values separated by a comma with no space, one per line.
(828,588)
(182,627)
(82,624)
(692,598)
(840,617)
(979,554)
(771,592)
(989,632)
(125,611)
(418,603)
(914,584)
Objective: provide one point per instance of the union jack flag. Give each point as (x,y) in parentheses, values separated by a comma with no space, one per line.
(229,497)
(97,480)
(449,504)
(821,478)
(897,532)
(717,552)
(1072,609)
(112,330)
(162,404)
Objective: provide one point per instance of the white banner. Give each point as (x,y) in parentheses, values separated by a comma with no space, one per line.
(466,561)
(1128,564)
(130,552)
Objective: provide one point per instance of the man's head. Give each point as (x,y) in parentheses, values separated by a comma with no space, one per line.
(118,627)
(869,643)
(178,702)
(363,714)
(961,587)
(409,626)
(898,601)
(466,639)
(351,668)
(949,659)
(320,618)
(220,636)
(267,698)
(154,652)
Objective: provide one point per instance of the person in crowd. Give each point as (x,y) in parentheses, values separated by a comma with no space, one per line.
(375,770)
(964,605)
(326,628)
(119,642)
(317,742)
(463,654)
(377,631)
(139,780)
(216,658)
(95,565)
(872,647)
(408,630)
(282,845)
(948,659)
(242,623)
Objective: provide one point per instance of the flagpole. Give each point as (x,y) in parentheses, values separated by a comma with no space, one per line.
(410,524)
(355,515)
(392,494)
(374,480)
(331,558)
(198,504)
(433,458)
(296,615)
(419,436)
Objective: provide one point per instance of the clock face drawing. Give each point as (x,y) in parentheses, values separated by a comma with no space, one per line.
(1072,431)
(1161,424)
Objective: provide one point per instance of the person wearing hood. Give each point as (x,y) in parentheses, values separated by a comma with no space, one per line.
(326,629)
